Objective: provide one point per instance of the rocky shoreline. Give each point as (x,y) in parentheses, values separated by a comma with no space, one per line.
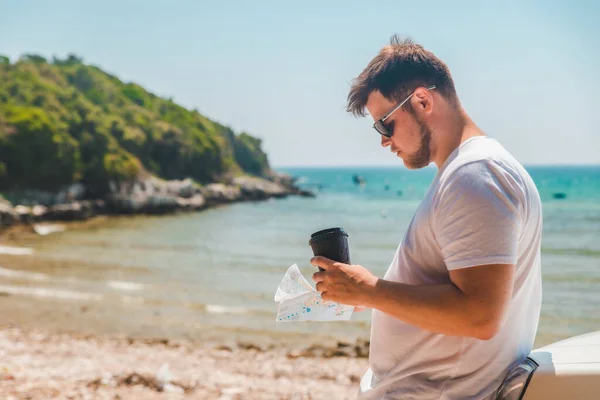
(144,196)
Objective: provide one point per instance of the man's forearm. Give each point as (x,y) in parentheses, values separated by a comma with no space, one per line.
(442,308)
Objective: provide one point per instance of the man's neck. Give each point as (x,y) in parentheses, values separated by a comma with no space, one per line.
(462,128)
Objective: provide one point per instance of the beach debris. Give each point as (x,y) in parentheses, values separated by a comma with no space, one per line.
(249,346)
(46,229)
(223,347)
(164,378)
(171,388)
(5,374)
(359,349)
(162,382)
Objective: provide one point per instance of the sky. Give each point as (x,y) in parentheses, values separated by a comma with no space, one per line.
(526,71)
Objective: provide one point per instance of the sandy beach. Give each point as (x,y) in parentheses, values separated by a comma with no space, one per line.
(53,348)
(39,364)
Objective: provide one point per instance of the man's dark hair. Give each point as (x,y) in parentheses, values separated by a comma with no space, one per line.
(396,71)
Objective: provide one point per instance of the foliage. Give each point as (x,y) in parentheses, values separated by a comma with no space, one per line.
(65,122)
(250,156)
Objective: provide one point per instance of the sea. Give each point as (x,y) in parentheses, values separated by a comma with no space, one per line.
(212,275)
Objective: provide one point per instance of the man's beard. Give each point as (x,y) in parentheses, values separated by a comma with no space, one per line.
(422,157)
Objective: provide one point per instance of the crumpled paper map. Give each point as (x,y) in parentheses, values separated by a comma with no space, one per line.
(298,301)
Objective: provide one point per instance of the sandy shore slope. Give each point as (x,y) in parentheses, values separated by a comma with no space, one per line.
(36,364)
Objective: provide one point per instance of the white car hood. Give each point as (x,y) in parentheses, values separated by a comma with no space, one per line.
(583,349)
(568,369)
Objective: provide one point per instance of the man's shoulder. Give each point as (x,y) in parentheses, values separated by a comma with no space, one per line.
(480,159)
(479,176)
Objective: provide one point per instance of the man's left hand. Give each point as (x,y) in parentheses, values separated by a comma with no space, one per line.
(343,283)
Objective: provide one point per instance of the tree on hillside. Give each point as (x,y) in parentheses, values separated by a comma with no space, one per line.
(70,122)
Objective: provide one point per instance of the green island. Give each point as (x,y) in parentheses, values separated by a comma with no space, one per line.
(70,131)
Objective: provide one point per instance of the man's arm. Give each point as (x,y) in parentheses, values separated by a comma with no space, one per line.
(473,305)
(476,222)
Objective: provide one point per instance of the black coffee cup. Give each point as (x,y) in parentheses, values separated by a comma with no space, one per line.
(331,243)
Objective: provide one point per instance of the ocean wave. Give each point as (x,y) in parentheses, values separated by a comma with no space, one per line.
(574,252)
(16,251)
(52,293)
(82,242)
(47,229)
(133,300)
(574,278)
(121,285)
(218,309)
(13,273)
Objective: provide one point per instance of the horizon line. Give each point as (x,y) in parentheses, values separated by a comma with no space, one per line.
(429,166)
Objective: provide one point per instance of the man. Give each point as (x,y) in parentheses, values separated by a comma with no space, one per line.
(460,302)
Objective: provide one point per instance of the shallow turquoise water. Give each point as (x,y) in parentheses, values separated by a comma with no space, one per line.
(214,273)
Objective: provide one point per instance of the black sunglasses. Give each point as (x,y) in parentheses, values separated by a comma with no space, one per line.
(379,125)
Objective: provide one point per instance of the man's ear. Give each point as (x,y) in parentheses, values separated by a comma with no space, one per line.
(422,101)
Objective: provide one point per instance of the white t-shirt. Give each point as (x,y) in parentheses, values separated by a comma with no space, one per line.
(482,208)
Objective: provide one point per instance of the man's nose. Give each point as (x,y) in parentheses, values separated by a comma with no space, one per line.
(385,141)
